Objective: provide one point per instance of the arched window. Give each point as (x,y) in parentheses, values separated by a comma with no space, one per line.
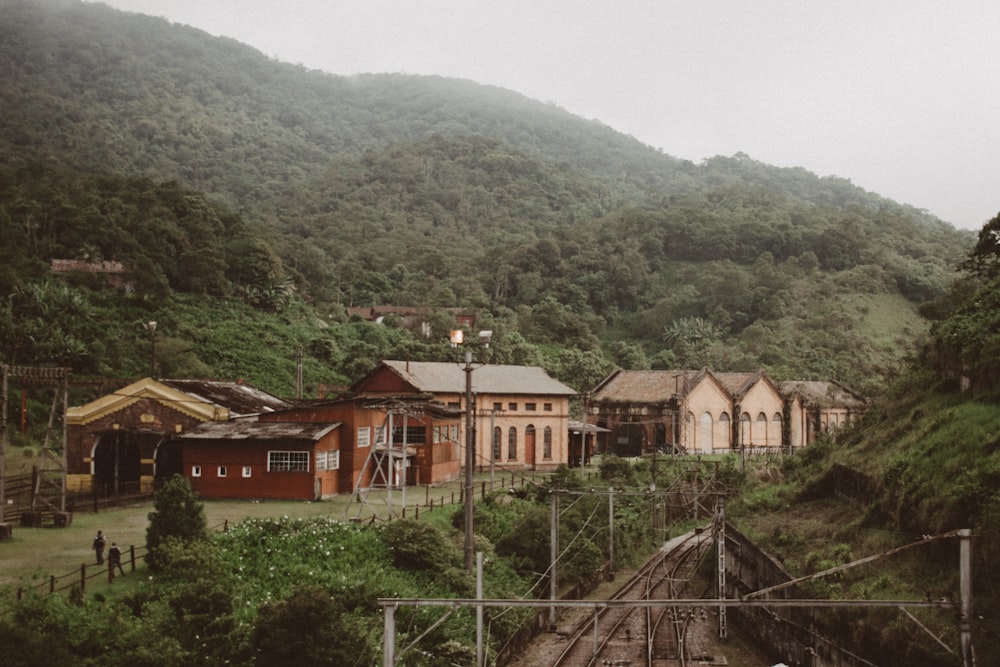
(724,431)
(496,442)
(745,429)
(689,437)
(705,432)
(547,443)
(512,444)
(761,429)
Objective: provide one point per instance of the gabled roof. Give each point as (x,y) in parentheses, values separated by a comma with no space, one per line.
(298,433)
(411,403)
(823,393)
(652,387)
(449,378)
(240,399)
(738,384)
(624,386)
(204,401)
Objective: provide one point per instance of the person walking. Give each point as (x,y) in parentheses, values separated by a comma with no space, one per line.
(115,558)
(98,547)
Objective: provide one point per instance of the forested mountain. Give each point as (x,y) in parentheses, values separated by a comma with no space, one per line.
(264,188)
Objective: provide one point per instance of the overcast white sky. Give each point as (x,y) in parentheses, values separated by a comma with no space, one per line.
(899,96)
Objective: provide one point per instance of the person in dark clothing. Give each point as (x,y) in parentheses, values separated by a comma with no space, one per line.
(98,547)
(115,558)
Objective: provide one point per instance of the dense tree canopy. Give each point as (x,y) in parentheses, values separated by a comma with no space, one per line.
(124,137)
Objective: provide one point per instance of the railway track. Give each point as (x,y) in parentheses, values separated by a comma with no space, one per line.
(636,635)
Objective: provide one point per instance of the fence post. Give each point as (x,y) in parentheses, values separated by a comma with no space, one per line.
(483,492)
(52,583)
(83,577)
(111,570)
(131,555)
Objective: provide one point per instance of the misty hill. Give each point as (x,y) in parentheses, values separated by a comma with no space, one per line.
(923,461)
(215,170)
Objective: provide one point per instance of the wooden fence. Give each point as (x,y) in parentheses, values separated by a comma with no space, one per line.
(80,577)
(19,492)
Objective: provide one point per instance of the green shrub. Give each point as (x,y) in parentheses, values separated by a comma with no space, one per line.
(616,471)
(310,627)
(419,546)
(176,514)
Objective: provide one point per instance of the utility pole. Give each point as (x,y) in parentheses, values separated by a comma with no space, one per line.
(479,609)
(611,533)
(298,372)
(965,588)
(151,328)
(720,547)
(553,557)
(4,529)
(493,444)
(583,436)
(470,462)
(457,337)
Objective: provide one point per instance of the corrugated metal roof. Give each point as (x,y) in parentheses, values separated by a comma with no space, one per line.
(293,432)
(439,377)
(240,399)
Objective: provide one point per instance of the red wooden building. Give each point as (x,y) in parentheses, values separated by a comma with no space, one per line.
(126,438)
(255,459)
(388,439)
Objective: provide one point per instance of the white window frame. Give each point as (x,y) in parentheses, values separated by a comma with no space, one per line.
(222,472)
(279,460)
(333,459)
(196,471)
(247,471)
(364,438)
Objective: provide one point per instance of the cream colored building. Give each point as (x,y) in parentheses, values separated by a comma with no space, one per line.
(701,412)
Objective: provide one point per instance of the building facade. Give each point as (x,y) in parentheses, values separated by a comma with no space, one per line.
(125,439)
(387,440)
(701,412)
(520,414)
(257,459)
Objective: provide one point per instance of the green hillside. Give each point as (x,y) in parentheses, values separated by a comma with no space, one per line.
(924,461)
(218,173)
(254,201)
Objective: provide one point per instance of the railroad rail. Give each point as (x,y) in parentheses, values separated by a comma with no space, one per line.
(636,635)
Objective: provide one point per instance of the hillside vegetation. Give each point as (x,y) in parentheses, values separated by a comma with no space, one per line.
(231,181)
(255,200)
(924,461)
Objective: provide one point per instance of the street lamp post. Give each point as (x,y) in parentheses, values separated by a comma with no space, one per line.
(457,339)
(470,462)
(151,328)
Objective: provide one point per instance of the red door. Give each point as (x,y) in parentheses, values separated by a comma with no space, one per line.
(529,447)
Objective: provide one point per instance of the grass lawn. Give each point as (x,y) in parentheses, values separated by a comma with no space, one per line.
(32,555)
